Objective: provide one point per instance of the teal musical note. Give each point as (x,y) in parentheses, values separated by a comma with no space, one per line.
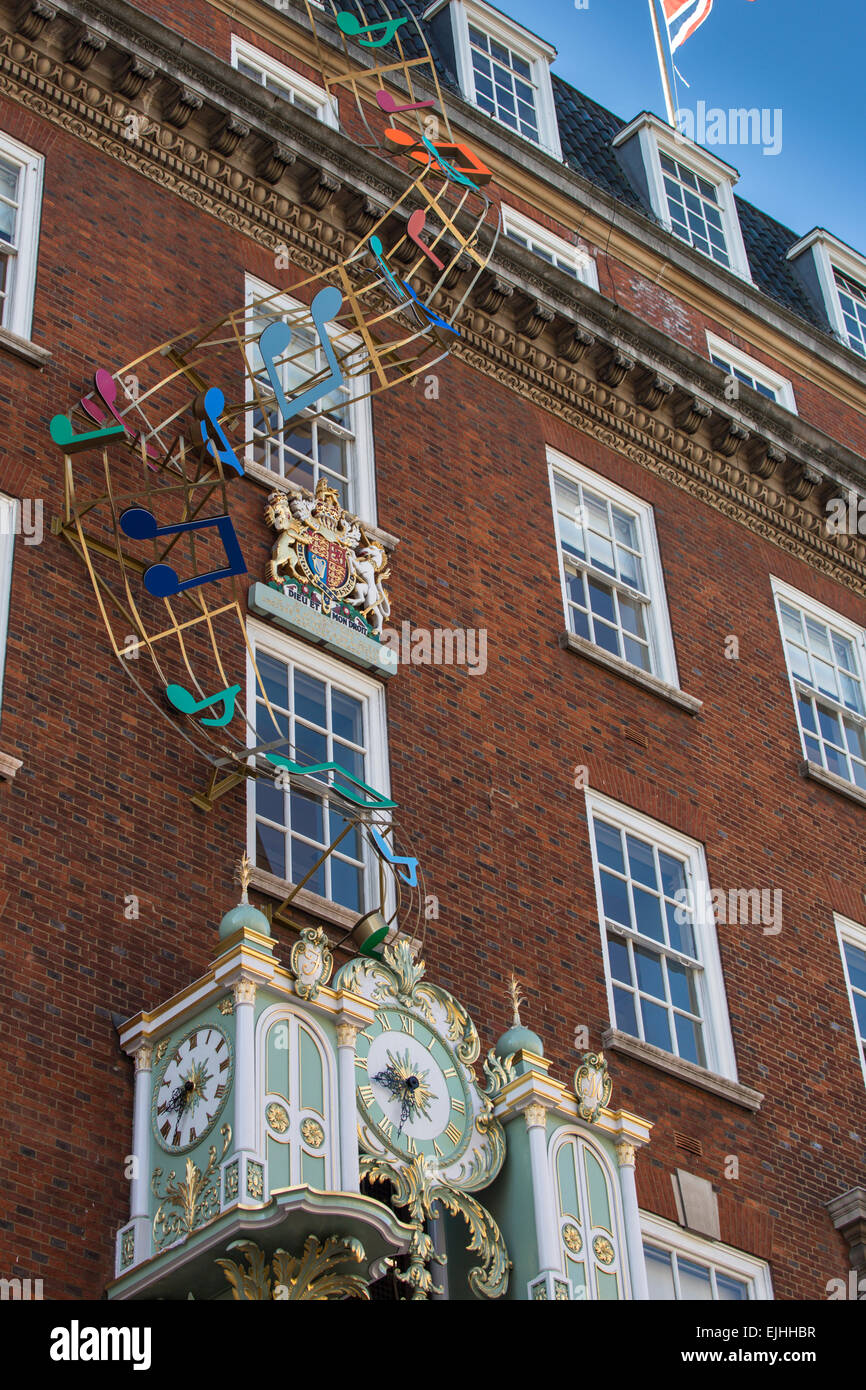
(187,703)
(274,340)
(307,770)
(350,25)
(410,878)
(61,431)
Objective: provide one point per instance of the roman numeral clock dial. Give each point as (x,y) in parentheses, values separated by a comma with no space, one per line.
(412,1098)
(190,1093)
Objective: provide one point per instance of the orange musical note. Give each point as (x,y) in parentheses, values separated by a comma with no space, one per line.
(456,173)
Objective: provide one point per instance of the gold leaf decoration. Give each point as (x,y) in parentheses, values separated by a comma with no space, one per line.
(313,1276)
(195,1200)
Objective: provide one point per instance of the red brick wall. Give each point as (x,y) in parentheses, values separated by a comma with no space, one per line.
(482,768)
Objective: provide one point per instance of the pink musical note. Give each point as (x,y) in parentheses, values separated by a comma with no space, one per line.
(106,389)
(387,103)
(415,226)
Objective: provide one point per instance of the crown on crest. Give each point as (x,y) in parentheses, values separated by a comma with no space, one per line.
(328,508)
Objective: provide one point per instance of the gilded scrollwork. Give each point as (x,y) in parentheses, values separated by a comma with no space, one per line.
(315,1275)
(194,1199)
(311,962)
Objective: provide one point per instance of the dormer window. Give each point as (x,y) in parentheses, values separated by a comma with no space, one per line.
(835,275)
(690,191)
(695,210)
(503,84)
(503,69)
(852,301)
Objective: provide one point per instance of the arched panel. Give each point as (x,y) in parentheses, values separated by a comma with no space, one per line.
(297,1117)
(591,1244)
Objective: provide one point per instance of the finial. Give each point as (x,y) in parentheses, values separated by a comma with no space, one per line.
(245,873)
(516,1000)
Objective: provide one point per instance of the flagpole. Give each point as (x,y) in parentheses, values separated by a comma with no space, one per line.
(666,81)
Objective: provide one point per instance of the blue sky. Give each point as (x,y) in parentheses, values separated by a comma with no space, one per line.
(804,58)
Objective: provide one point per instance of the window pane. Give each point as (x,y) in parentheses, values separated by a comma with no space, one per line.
(618,956)
(307,816)
(649,972)
(626,1020)
(304,857)
(648,919)
(615,898)
(640,861)
(310,699)
(856,961)
(659,1273)
(689,1040)
(348,716)
(270,801)
(729,1289)
(608,844)
(656,1025)
(275,679)
(270,850)
(694,1280)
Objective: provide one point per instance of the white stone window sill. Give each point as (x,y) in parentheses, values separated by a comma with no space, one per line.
(686,1071)
(275,483)
(9,766)
(22,347)
(331,913)
(831,780)
(571,642)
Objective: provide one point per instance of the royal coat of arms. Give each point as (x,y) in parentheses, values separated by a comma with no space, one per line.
(324,552)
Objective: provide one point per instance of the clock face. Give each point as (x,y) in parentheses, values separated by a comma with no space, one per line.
(411,1093)
(193,1088)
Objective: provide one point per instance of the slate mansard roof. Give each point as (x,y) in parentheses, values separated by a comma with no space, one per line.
(586,133)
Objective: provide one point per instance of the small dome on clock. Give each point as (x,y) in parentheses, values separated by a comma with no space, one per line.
(244,915)
(519,1039)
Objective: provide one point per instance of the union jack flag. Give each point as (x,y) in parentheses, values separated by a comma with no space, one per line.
(683,17)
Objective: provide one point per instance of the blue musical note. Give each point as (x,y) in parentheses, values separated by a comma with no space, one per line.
(161,580)
(274,340)
(434,318)
(187,703)
(207,408)
(411,878)
(352,26)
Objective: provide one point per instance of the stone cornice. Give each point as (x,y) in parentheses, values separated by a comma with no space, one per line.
(590,362)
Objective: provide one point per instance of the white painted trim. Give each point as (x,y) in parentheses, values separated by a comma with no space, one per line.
(584,262)
(710,982)
(780,384)
(362,483)
(295,81)
(857,635)
(655,136)
(528,46)
(22,269)
(724,1258)
(354,682)
(9,521)
(855,935)
(662,651)
(829,254)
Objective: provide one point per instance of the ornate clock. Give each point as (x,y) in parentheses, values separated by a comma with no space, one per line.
(192,1089)
(425,1126)
(413,1096)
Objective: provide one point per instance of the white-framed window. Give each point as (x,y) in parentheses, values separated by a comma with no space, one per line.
(591,1244)
(327,712)
(852,302)
(8,524)
(680,1265)
(840,275)
(20,205)
(664,975)
(691,191)
(825,658)
(743,368)
(549,247)
(284,82)
(504,70)
(852,945)
(337,443)
(612,585)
